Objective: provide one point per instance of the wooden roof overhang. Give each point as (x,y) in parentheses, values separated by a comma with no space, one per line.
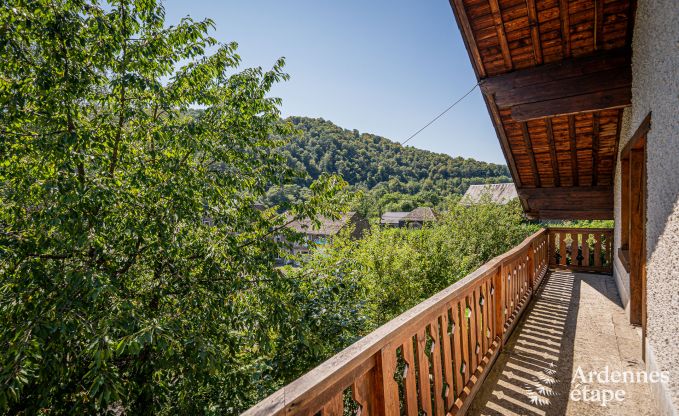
(555,76)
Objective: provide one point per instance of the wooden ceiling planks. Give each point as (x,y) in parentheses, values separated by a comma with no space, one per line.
(515,34)
(555,75)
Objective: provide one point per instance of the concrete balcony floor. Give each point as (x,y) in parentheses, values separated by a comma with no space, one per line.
(575,320)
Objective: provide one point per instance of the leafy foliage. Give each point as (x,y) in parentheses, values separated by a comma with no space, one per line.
(136,272)
(580,223)
(114,295)
(399,268)
(391,176)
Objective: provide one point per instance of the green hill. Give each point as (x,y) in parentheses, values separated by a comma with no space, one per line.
(392,176)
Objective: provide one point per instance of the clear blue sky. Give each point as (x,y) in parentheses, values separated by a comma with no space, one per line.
(378,66)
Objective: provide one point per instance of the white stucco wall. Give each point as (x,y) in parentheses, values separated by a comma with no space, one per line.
(655,87)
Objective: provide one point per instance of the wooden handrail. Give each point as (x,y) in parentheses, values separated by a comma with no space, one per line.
(576,229)
(446,343)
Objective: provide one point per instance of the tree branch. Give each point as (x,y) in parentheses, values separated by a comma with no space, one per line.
(121,115)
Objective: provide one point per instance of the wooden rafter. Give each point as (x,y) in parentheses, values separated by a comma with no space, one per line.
(598,23)
(572,198)
(567,69)
(571,86)
(504,143)
(570,191)
(574,150)
(552,152)
(581,214)
(597,82)
(502,36)
(565,28)
(603,100)
(570,202)
(536,84)
(529,150)
(534,30)
(595,149)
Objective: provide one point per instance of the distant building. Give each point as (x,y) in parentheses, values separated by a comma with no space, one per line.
(413,219)
(420,216)
(393,218)
(317,235)
(497,193)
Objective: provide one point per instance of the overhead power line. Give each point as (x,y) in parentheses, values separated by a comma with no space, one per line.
(440,115)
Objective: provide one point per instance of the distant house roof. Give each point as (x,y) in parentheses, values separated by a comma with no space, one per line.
(327,226)
(498,193)
(393,217)
(421,214)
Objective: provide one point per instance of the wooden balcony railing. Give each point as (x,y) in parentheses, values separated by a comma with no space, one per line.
(581,249)
(433,357)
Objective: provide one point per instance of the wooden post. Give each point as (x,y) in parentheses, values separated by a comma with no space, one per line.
(498,298)
(458,352)
(551,249)
(335,407)
(437,366)
(636,234)
(531,266)
(574,249)
(409,384)
(624,203)
(563,259)
(386,396)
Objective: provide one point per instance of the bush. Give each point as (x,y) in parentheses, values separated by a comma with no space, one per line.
(399,268)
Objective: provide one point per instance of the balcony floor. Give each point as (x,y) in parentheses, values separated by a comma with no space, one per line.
(575,319)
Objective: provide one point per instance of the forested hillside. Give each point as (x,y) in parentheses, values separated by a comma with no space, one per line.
(391,176)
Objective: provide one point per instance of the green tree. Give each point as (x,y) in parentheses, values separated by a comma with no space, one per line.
(399,268)
(115,296)
(379,166)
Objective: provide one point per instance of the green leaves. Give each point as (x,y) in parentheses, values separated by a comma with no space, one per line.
(394,178)
(136,273)
(399,268)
